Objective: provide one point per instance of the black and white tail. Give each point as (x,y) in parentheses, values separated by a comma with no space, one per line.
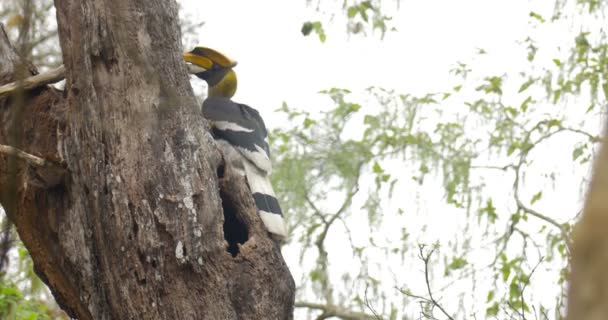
(265,200)
(241,134)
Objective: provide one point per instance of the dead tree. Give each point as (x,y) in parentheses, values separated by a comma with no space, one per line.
(125,216)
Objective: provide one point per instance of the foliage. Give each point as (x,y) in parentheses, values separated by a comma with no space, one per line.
(14,306)
(362,18)
(22,295)
(32,28)
(367,159)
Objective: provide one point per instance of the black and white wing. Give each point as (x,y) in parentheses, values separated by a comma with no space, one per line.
(241,133)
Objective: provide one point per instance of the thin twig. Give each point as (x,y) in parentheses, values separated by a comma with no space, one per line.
(522,159)
(335,311)
(368,304)
(426,259)
(539,215)
(525,285)
(409,294)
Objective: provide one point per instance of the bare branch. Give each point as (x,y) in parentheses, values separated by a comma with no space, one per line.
(522,160)
(52,76)
(37,161)
(523,302)
(539,215)
(426,259)
(335,311)
(368,304)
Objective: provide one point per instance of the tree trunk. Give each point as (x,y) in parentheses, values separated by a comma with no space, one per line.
(139,225)
(588,292)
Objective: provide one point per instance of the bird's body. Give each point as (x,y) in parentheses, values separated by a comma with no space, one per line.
(240,133)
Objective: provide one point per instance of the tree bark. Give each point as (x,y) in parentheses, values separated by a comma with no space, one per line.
(588,292)
(136,218)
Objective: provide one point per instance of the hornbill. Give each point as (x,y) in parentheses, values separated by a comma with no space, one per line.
(239,132)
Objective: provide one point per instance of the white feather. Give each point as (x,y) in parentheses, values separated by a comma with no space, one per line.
(274,223)
(227,125)
(232,156)
(259,158)
(258,180)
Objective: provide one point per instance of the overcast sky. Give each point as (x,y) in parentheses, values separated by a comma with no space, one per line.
(277,63)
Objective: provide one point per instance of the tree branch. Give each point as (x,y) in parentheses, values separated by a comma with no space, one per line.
(335,311)
(34,160)
(52,76)
(426,259)
(539,215)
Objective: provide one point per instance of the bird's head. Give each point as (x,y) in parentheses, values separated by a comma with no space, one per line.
(215,68)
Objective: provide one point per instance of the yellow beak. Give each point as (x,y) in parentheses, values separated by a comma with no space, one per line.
(199,61)
(205,58)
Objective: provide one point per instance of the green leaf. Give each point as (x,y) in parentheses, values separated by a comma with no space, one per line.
(489,210)
(308,122)
(561,248)
(515,218)
(524,105)
(554,123)
(537,16)
(493,310)
(457,263)
(512,111)
(518,305)
(316,26)
(512,147)
(536,197)
(525,85)
(556,95)
(424,169)
(352,11)
(306,28)
(514,291)
(363,13)
(393,314)
(505,270)
(316,275)
(490,296)
(577,152)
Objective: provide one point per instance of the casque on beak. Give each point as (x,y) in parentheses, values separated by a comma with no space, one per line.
(201,59)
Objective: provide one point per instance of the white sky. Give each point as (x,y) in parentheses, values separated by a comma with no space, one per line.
(277,63)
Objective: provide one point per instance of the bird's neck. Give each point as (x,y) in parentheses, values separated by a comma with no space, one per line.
(226,87)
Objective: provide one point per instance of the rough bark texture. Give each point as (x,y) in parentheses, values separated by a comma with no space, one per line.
(135,227)
(588,294)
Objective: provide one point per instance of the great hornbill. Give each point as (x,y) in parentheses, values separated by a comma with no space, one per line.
(239,132)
